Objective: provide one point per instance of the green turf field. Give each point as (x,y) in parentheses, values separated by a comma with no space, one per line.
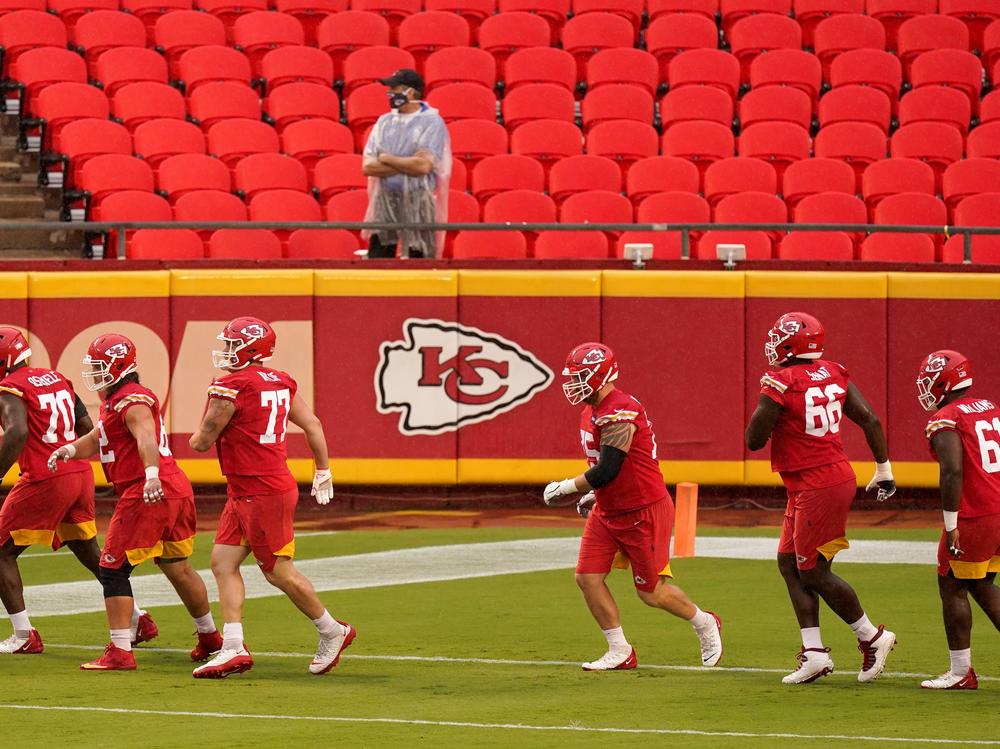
(393,688)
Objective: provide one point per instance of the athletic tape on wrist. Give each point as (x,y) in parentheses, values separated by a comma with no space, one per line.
(152,472)
(950,520)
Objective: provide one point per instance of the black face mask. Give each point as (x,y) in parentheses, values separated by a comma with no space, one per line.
(398,99)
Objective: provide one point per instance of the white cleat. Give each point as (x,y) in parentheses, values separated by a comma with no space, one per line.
(875,652)
(29,645)
(952,681)
(225,663)
(711,641)
(814,663)
(619,660)
(330,648)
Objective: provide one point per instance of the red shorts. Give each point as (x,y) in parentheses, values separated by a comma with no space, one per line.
(640,538)
(50,511)
(979,539)
(816,523)
(140,531)
(265,523)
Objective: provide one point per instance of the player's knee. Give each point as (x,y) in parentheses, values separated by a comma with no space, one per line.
(587,582)
(115,581)
(787,566)
(649,597)
(814,577)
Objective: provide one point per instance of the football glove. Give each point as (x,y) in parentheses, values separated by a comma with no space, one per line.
(586,504)
(883,481)
(322,487)
(63,453)
(556,489)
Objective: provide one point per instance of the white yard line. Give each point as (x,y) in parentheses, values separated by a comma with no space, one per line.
(504,726)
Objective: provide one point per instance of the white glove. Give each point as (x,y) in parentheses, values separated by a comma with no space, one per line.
(63,453)
(322,487)
(586,504)
(883,481)
(557,489)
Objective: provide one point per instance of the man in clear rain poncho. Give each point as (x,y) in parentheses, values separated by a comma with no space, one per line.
(408,164)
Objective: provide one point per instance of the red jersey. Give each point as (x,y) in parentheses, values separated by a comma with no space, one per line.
(253,442)
(50,402)
(807,435)
(119,451)
(977,422)
(639,483)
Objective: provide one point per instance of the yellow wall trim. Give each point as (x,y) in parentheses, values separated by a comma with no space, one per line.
(699,284)
(386,283)
(239,282)
(13,285)
(120,283)
(944,285)
(816,285)
(529,283)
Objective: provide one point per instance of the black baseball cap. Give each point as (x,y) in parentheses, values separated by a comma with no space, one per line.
(405,77)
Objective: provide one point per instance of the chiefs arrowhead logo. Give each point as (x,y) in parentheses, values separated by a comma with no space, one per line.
(253,331)
(936,364)
(594,356)
(444,376)
(117,351)
(791,327)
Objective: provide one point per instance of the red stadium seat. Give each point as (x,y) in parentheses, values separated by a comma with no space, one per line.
(364,106)
(464,101)
(11,6)
(705,67)
(41,67)
(520,206)
(137,103)
(311,244)
(937,144)
(538,101)
(209,205)
(815,245)
(394,11)
(856,104)
(339,34)
(596,207)
(618,102)
(624,141)
(832,208)
(295,65)
(975,14)
(583,36)
(310,13)
(757,243)
(473,11)
(338,173)
(623,66)
(736,174)
(553,12)
(751,208)
(893,13)
(630,10)
(284,205)
(460,65)
(891,176)
(425,33)
(213,64)
(165,244)
(667,208)
(868,67)
(187,172)
(989,107)
(841,33)
(157,140)
(810,13)
(25,30)
(898,248)
(857,143)
(503,34)
(228,11)
(70,11)
(690,103)
(110,173)
(474,140)
(975,210)
(581,173)
(991,47)
(658,174)
(213,103)
(180,30)
(936,104)
(350,205)
(547,141)
(754,35)
(949,67)
(149,12)
(734,10)
(780,143)
(231,140)
(259,32)
(970,177)
(672,35)
(788,67)
(244,244)
(929,32)
(811,176)
(496,174)
(295,102)
(707,8)
(81,140)
(540,65)
(508,245)
(127,205)
(699,142)
(97,32)
(564,245)
(123,65)
(269,171)
(776,104)
(62,103)
(915,208)
(372,64)
(312,140)
(984,141)
(462,208)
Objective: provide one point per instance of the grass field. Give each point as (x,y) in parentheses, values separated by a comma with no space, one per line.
(494,661)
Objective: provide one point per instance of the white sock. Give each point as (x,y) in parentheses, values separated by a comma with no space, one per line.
(122,638)
(616,639)
(205,624)
(136,613)
(700,620)
(961,661)
(811,639)
(327,626)
(21,623)
(864,629)
(232,636)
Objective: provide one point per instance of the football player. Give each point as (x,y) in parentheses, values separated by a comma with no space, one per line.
(246,418)
(628,509)
(155,514)
(802,400)
(40,410)
(964,435)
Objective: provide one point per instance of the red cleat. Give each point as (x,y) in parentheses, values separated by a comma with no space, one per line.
(208,643)
(953,681)
(330,649)
(114,659)
(225,663)
(15,645)
(145,629)
(613,662)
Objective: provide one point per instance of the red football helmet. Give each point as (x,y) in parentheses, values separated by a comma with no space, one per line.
(109,358)
(940,373)
(589,367)
(247,341)
(794,335)
(13,348)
